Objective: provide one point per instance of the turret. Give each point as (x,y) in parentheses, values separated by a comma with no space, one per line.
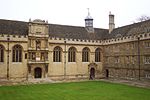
(89,23)
(111,22)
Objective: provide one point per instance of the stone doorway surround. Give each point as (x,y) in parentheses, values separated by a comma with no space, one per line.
(92,70)
(33,73)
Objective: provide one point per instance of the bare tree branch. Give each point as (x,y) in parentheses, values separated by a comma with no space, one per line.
(143,18)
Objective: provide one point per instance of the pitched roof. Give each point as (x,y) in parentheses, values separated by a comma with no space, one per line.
(75,32)
(63,31)
(133,29)
(13,27)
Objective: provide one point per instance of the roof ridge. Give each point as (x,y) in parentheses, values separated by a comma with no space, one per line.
(51,24)
(66,25)
(133,24)
(12,20)
(74,26)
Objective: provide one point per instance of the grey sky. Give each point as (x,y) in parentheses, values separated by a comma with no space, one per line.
(73,12)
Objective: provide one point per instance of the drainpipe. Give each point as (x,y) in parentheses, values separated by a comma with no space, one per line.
(8,57)
(139,56)
(65,61)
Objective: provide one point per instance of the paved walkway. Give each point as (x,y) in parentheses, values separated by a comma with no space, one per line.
(137,83)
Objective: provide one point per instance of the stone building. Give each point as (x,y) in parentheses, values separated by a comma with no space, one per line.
(37,49)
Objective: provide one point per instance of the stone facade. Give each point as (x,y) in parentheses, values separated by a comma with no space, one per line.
(128,59)
(120,56)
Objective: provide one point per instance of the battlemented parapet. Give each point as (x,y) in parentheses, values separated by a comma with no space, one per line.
(19,38)
(127,39)
(75,41)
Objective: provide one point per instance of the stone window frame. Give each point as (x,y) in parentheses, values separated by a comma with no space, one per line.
(147,44)
(128,59)
(32,56)
(133,59)
(98,55)
(72,54)
(133,45)
(44,56)
(17,53)
(116,48)
(117,59)
(85,54)
(1,53)
(57,54)
(147,59)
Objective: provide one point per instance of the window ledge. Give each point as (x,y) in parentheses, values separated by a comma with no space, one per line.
(16,62)
(57,62)
(97,62)
(71,62)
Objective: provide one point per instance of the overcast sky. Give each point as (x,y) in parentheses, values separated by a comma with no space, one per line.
(73,12)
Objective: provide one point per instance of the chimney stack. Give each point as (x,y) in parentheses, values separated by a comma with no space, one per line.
(111,22)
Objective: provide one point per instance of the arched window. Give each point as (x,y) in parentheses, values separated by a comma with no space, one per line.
(57,54)
(72,54)
(17,53)
(98,55)
(85,54)
(1,53)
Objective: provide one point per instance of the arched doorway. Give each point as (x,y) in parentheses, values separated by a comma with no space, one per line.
(92,73)
(107,73)
(37,72)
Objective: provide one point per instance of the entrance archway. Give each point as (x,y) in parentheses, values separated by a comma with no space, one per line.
(37,72)
(92,73)
(107,73)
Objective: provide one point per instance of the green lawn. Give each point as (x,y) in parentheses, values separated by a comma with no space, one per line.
(92,90)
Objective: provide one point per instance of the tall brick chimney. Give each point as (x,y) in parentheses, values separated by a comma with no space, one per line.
(111,22)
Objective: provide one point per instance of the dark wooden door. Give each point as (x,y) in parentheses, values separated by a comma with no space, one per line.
(92,73)
(107,73)
(37,72)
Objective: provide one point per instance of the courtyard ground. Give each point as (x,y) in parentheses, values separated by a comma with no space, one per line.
(137,83)
(87,90)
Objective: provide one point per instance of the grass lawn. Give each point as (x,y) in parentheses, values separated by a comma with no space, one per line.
(92,90)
